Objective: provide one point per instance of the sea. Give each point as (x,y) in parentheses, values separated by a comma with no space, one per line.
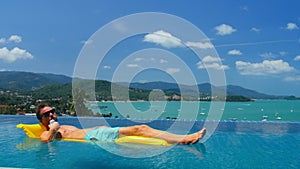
(258,110)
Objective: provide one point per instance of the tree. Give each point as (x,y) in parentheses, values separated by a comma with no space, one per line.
(79,99)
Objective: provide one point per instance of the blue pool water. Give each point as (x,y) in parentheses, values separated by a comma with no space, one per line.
(234,145)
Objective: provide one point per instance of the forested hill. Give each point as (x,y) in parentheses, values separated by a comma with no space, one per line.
(24,81)
(205,89)
(59,84)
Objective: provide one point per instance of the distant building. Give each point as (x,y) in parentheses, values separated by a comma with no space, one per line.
(173,97)
(21,113)
(39,101)
(176,97)
(32,107)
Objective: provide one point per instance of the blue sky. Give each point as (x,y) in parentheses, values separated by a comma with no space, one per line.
(258,42)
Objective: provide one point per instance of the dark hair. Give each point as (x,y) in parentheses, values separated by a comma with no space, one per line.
(39,107)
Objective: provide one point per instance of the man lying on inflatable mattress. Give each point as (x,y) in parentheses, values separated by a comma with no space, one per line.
(103,133)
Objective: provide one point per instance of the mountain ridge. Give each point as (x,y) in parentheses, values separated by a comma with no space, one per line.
(204,88)
(23,81)
(28,81)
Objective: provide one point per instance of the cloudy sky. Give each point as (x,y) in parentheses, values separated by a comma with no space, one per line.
(257,42)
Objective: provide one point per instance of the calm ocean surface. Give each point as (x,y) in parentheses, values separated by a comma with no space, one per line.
(267,110)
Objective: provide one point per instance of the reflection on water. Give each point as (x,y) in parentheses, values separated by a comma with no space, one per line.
(144,151)
(29,144)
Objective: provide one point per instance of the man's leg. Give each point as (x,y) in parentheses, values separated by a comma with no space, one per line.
(146,131)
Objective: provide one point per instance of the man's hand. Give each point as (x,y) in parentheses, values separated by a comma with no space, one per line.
(54,126)
(50,135)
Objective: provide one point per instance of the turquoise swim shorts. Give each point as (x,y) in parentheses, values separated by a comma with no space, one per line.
(106,134)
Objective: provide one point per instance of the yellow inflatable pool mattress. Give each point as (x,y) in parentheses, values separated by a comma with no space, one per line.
(35,130)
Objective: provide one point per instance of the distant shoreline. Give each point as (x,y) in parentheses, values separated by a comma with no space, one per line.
(253,100)
(112,118)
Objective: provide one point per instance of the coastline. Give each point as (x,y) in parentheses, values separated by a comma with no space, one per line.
(264,110)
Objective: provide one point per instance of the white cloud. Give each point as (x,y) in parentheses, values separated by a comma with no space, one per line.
(162,61)
(2,40)
(138,59)
(210,62)
(234,52)
(14,54)
(208,58)
(172,70)
(224,29)
(291,26)
(255,29)
(268,55)
(264,68)
(133,65)
(15,38)
(164,39)
(297,58)
(200,45)
(282,53)
(12,38)
(106,67)
(213,65)
(167,40)
(291,79)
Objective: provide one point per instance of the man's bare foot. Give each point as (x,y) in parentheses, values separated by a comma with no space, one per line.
(193,138)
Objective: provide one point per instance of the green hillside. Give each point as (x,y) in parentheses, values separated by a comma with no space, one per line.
(102,91)
(25,81)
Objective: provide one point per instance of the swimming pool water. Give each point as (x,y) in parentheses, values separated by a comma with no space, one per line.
(231,146)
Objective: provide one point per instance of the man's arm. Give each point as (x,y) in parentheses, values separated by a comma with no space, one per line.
(48,136)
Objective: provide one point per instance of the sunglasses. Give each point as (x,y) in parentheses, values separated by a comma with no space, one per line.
(47,114)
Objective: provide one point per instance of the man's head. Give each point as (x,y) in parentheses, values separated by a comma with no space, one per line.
(45,113)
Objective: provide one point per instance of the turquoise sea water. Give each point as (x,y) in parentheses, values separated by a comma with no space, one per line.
(270,110)
(226,148)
